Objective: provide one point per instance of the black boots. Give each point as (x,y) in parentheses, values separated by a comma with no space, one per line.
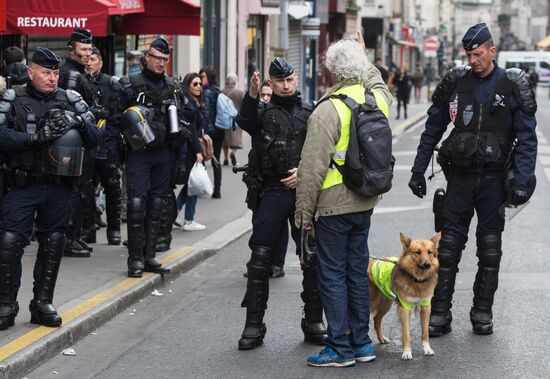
(167,219)
(155,209)
(136,217)
(114,237)
(489,252)
(46,269)
(11,251)
(449,253)
(312,324)
(255,299)
(113,208)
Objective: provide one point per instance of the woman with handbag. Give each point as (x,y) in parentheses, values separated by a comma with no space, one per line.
(186,221)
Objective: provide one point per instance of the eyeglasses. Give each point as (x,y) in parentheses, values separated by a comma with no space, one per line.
(160,59)
(196,84)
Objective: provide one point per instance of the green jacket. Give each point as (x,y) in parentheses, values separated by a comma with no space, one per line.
(381,275)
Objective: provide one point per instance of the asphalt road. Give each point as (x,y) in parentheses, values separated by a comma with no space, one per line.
(192,330)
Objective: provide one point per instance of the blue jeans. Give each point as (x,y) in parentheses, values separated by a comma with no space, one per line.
(190,203)
(343,281)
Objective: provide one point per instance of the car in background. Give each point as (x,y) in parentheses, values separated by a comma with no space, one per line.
(538,61)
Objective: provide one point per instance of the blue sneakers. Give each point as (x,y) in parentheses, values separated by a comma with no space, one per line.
(364,353)
(329,358)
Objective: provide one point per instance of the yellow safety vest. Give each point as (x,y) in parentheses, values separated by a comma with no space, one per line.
(357,93)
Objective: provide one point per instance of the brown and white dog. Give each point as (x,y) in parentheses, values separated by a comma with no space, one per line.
(409,281)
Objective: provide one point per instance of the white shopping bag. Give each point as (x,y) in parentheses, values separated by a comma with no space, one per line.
(199,183)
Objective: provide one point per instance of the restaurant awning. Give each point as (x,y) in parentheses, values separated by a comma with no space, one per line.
(57,17)
(120,7)
(180,17)
(544,43)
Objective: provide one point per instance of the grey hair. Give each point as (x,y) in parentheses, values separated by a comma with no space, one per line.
(347,62)
(231,79)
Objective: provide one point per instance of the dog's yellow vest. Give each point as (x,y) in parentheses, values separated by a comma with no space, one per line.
(381,275)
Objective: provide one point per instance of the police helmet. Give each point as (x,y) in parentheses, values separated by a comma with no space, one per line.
(135,127)
(64,155)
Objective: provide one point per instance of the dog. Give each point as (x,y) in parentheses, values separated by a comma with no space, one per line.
(410,282)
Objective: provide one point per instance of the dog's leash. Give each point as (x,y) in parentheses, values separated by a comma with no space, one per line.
(382,259)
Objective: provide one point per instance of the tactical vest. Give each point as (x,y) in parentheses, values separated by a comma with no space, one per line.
(158,102)
(482,138)
(26,112)
(102,90)
(281,141)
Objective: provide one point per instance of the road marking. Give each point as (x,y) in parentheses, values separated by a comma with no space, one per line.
(544,149)
(544,160)
(402,168)
(40,331)
(379,210)
(403,153)
(547,173)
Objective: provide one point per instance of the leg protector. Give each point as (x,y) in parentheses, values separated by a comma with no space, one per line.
(155,209)
(166,222)
(136,217)
(255,299)
(449,253)
(113,204)
(312,324)
(489,253)
(41,308)
(11,251)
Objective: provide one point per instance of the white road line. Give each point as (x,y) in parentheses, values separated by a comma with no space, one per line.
(402,168)
(404,152)
(544,149)
(380,210)
(544,160)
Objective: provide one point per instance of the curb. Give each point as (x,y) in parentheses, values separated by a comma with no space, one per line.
(47,347)
(402,127)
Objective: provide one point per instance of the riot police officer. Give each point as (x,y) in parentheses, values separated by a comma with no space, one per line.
(493,112)
(278,134)
(106,166)
(151,120)
(73,76)
(46,129)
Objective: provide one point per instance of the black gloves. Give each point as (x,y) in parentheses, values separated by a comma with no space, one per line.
(71,121)
(179,172)
(519,195)
(99,112)
(417,184)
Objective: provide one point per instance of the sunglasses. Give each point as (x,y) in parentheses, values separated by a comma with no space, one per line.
(196,84)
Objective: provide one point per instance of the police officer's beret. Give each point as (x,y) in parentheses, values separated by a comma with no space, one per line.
(161,45)
(81,35)
(280,68)
(475,36)
(46,58)
(95,51)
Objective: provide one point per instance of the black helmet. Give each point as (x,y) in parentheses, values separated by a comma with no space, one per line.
(135,127)
(64,155)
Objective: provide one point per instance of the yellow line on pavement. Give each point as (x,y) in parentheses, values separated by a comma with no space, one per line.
(37,333)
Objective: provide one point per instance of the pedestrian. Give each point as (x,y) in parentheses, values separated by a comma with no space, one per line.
(186,219)
(107,167)
(383,71)
(234,136)
(339,217)
(278,134)
(72,75)
(211,90)
(265,92)
(40,124)
(15,67)
(402,83)
(500,106)
(418,83)
(151,96)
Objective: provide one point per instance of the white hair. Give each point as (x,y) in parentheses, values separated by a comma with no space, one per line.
(231,79)
(347,62)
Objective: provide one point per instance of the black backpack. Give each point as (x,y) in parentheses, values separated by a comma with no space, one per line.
(368,167)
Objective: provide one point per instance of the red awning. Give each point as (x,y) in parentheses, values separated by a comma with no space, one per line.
(126,7)
(57,17)
(180,17)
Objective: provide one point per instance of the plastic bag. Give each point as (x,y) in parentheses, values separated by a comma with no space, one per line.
(199,183)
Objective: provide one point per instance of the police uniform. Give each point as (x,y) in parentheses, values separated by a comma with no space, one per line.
(105,168)
(494,128)
(72,75)
(278,134)
(42,151)
(151,97)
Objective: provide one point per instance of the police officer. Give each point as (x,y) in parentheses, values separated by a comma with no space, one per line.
(278,134)
(147,102)
(73,76)
(46,128)
(106,166)
(493,112)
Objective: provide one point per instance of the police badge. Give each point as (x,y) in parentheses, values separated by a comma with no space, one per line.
(468,114)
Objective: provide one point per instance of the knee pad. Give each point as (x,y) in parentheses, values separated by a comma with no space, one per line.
(489,250)
(259,265)
(450,249)
(11,247)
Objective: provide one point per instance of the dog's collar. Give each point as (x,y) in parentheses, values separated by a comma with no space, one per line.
(414,278)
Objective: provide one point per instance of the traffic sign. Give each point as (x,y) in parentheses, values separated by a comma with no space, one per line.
(431,44)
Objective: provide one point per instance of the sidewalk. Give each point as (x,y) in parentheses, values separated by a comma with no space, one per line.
(91,291)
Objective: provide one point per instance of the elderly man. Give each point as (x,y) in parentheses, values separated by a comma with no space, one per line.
(37,122)
(340,217)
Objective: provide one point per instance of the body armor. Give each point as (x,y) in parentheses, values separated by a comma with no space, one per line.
(281,141)
(72,75)
(483,137)
(143,93)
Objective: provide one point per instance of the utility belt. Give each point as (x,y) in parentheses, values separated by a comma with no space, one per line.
(21,179)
